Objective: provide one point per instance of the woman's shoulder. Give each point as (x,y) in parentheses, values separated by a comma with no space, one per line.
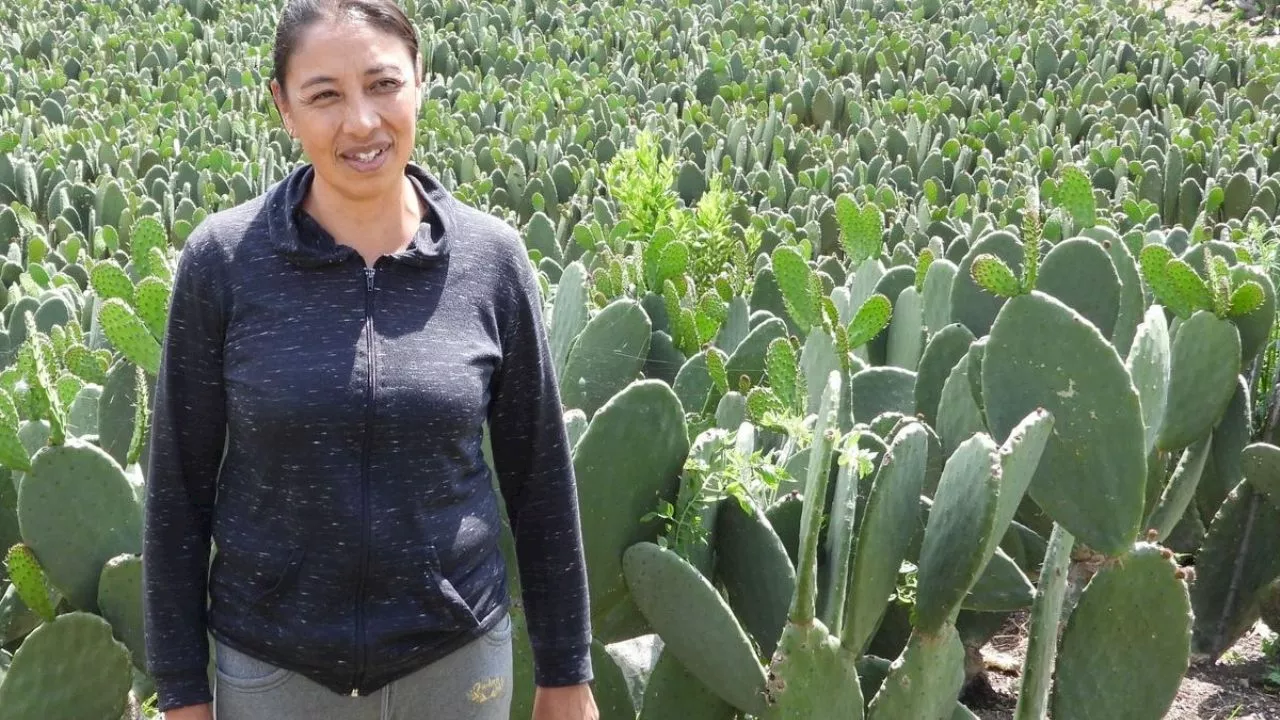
(488,238)
(225,233)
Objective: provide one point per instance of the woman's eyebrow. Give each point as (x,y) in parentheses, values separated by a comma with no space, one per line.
(375,70)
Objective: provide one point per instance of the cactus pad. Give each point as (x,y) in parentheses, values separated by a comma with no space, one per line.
(959,416)
(1127,643)
(1075,194)
(151,301)
(959,528)
(862,230)
(1262,469)
(812,676)
(1203,370)
(146,233)
(672,691)
(946,347)
(1043,354)
(627,462)
(1149,365)
(1240,555)
(1081,274)
(780,359)
(794,278)
(872,318)
(696,624)
(70,667)
(1002,587)
(972,305)
(888,525)
(924,681)
(120,600)
(1154,262)
(1255,326)
(130,335)
(110,281)
(77,510)
(906,331)
(993,275)
(757,574)
(607,356)
(612,696)
(1247,298)
(28,579)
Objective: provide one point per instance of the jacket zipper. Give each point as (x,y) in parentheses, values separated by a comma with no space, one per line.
(370,390)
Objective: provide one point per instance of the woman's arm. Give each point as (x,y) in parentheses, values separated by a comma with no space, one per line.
(535,473)
(188,421)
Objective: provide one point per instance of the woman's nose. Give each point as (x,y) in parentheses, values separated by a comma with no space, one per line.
(361,116)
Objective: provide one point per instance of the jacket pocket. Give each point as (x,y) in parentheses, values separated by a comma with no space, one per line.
(281,581)
(443,591)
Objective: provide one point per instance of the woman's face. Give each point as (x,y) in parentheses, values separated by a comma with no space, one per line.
(351,98)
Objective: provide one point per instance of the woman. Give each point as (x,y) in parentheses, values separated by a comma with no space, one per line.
(335,348)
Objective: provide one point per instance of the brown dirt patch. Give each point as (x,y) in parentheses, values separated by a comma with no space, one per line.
(1215,14)
(1235,688)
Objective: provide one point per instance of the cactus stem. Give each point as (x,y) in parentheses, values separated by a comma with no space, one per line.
(804,600)
(1042,646)
(841,536)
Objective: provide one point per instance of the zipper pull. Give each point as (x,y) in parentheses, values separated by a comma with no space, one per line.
(368,276)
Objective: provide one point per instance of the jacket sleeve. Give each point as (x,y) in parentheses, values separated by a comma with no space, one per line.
(186,445)
(531,456)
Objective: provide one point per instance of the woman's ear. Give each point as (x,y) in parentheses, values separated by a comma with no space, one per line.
(282,106)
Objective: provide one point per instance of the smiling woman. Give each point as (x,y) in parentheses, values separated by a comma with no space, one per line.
(335,349)
(347,82)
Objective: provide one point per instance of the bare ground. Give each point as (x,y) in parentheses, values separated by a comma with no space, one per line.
(1216,14)
(1235,688)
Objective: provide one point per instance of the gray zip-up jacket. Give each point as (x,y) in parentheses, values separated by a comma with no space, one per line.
(322,422)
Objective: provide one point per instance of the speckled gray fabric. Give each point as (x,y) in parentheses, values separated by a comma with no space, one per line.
(322,422)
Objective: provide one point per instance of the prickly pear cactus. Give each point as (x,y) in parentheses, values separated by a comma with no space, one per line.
(70,667)
(77,510)
(29,580)
(1135,615)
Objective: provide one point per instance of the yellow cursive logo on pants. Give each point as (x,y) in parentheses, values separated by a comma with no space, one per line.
(486,690)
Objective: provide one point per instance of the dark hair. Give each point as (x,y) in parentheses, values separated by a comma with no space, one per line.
(297,15)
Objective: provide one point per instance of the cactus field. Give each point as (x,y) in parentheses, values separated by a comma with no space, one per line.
(878,324)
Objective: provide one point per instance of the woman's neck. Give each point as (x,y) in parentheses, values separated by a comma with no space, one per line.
(368,224)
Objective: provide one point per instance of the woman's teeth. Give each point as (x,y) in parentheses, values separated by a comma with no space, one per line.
(366,157)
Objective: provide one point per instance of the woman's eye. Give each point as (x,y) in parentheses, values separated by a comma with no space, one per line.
(389,84)
(323,95)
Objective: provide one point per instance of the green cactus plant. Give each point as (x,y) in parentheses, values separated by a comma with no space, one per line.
(811,673)
(994,276)
(862,229)
(78,485)
(870,320)
(1134,614)
(71,666)
(29,579)
(1075,195)
(1043,354)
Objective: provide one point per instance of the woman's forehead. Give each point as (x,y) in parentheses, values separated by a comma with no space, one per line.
(346,47)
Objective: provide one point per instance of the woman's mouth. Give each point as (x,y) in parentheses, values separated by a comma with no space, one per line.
(368,160)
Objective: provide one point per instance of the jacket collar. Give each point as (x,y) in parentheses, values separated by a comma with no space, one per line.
(304,242)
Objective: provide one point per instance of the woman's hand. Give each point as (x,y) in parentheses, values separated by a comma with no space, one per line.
(191,712)
(574,702)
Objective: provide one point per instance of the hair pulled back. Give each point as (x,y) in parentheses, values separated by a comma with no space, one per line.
(297,15)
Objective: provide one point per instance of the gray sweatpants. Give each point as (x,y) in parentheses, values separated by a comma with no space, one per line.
(472,683)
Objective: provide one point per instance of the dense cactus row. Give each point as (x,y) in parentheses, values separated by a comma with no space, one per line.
(875,322)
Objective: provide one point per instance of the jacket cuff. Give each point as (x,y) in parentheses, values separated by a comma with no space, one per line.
(179,689)
(568,667)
